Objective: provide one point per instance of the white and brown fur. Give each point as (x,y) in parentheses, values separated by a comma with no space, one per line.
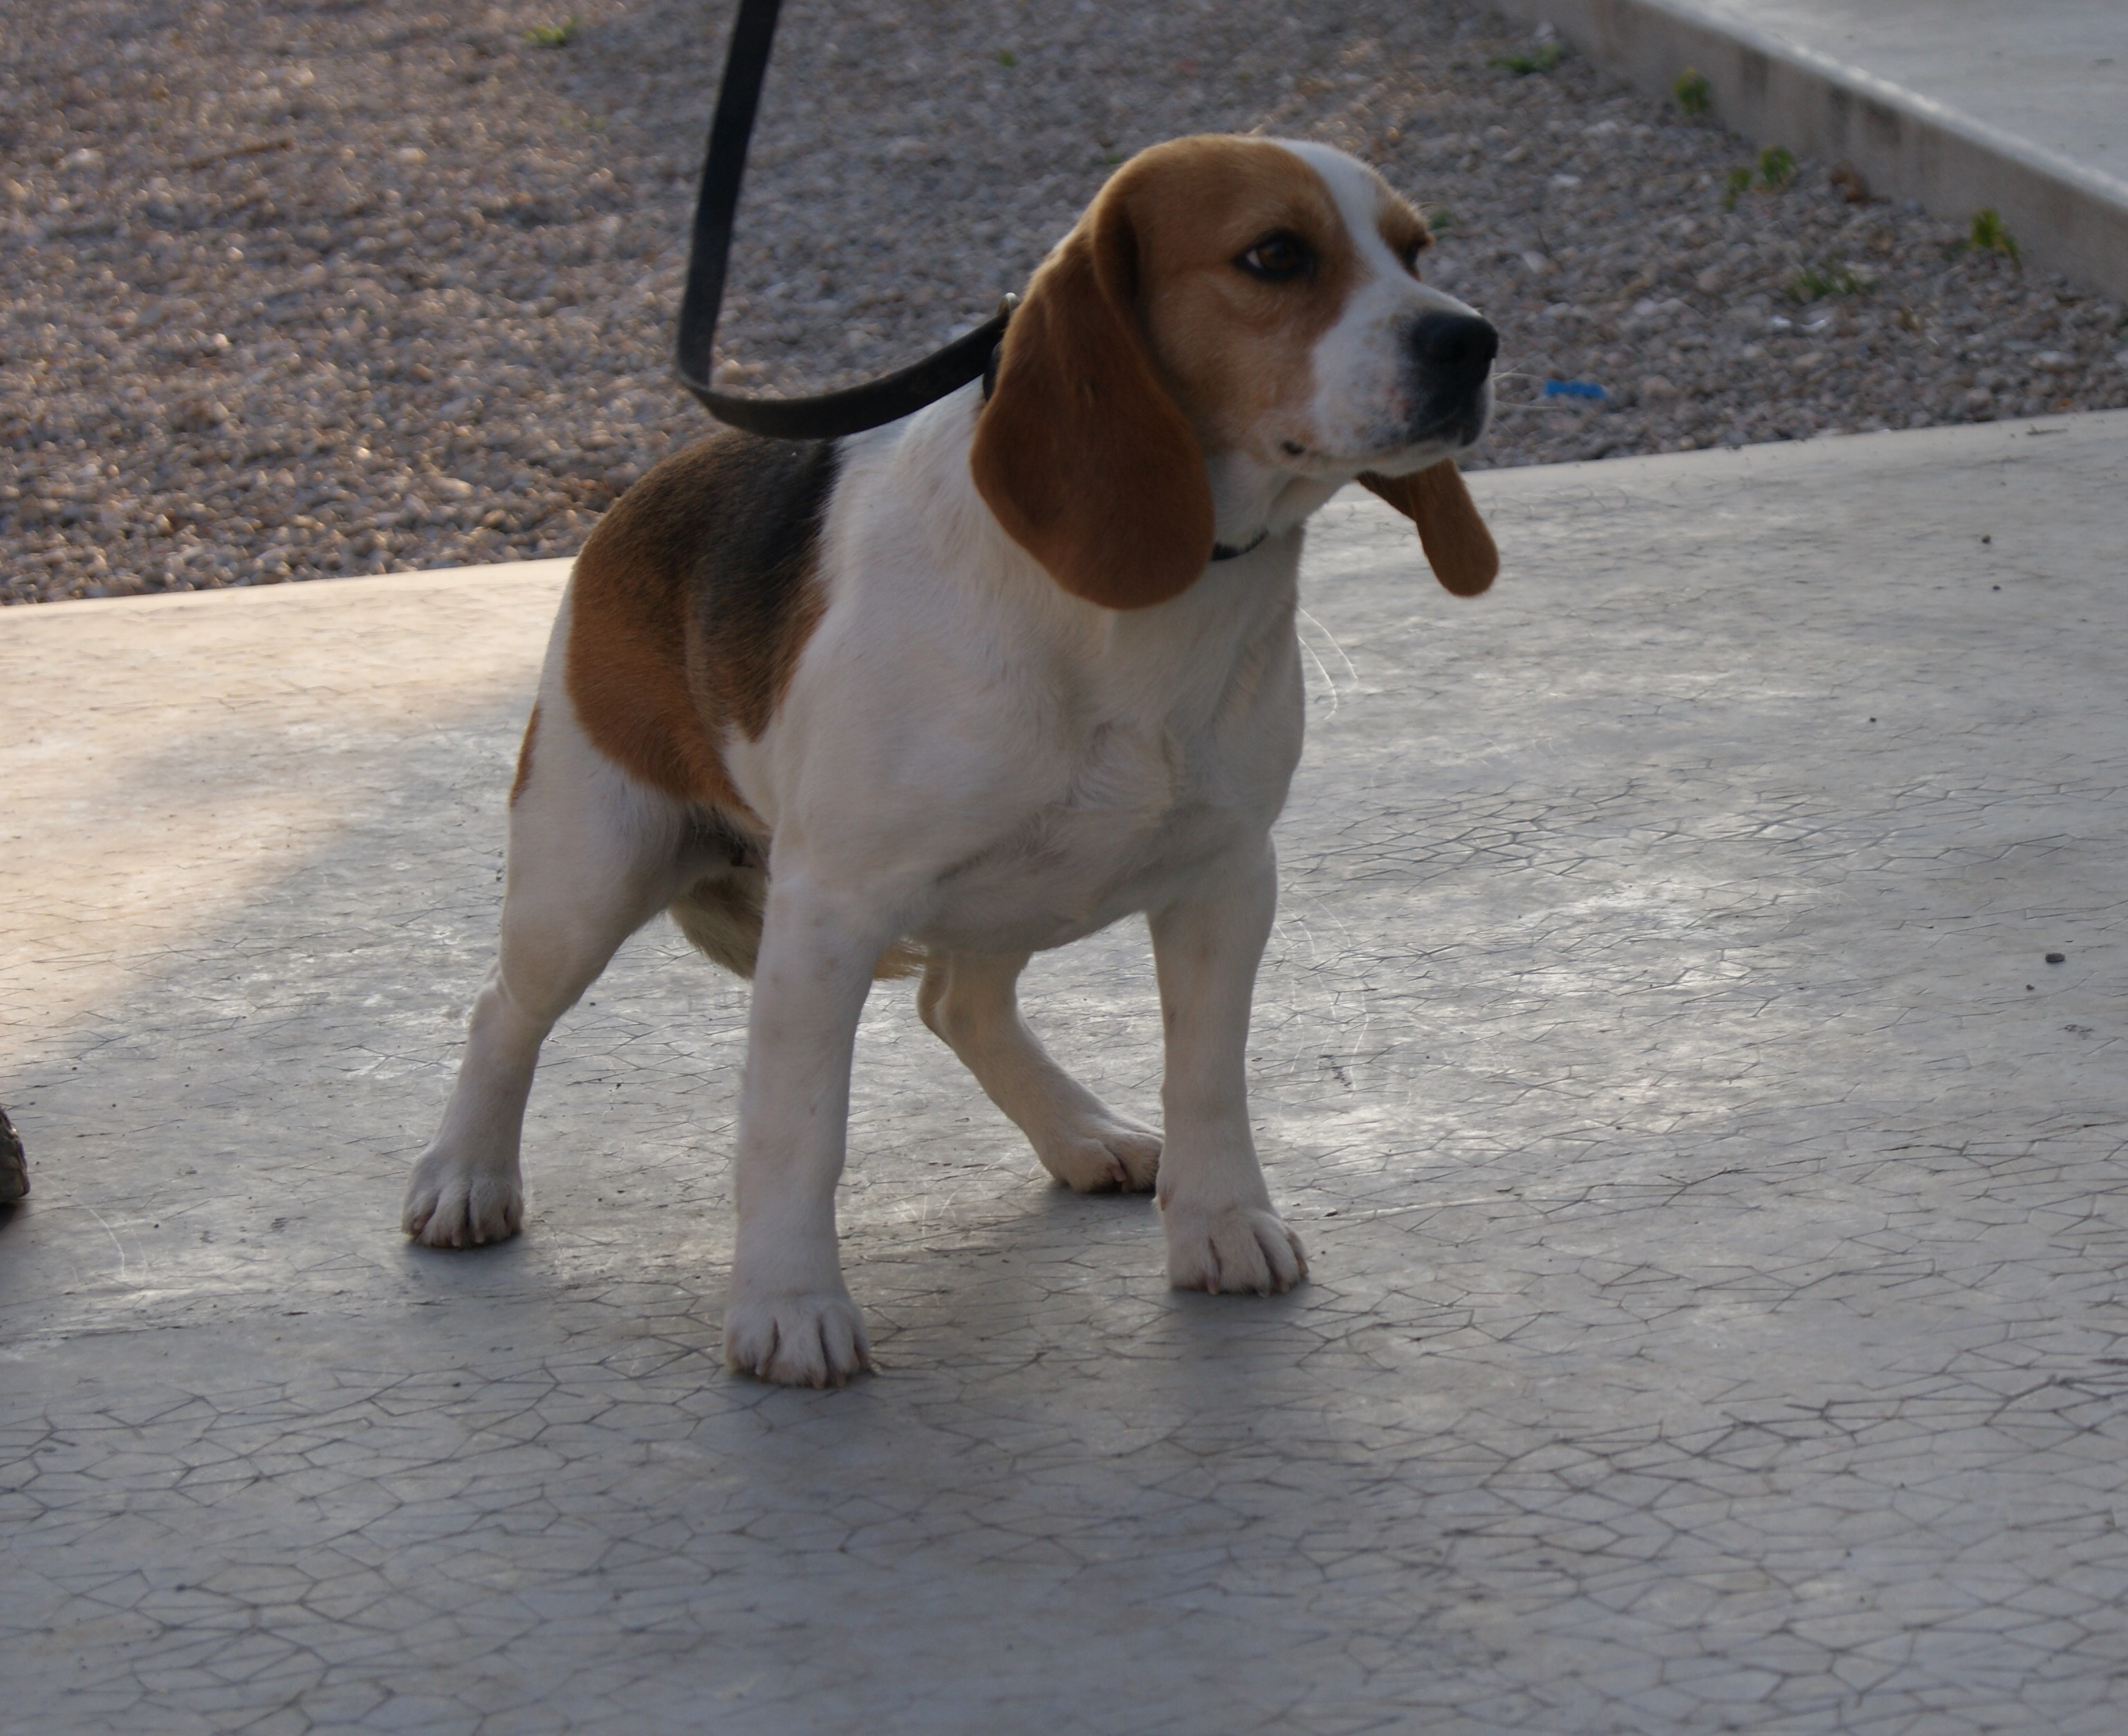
(946,694)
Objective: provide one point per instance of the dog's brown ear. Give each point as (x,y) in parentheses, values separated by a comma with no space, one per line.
(1458,546)
(1080,452)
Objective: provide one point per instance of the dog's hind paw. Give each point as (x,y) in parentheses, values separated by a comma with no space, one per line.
(815,1340)
(1109,1154)
(452,1203)
(1242,1249)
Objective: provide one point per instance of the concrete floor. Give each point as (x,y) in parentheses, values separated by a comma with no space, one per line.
(1717,1205)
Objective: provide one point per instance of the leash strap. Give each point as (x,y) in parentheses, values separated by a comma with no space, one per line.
(833,413)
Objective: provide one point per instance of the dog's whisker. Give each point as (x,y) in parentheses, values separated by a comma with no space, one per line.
(1330,685)
(1331,639)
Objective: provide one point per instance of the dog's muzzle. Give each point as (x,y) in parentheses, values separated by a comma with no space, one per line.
(1452,360)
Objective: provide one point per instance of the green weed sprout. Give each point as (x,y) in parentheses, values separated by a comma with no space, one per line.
(1814,283)
(1988,235)
(554,36)
(1542,59)
(1694,92)
(1775,171)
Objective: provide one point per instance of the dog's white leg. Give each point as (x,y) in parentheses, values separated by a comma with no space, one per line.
(593,856)
(1221,1233)
(969,999)
(790,1319)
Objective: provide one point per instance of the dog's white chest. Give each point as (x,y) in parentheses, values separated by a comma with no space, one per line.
(1119,819)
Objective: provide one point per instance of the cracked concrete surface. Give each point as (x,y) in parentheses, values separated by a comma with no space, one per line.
(1716,1201)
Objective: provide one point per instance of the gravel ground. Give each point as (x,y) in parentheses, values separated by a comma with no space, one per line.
(297,289)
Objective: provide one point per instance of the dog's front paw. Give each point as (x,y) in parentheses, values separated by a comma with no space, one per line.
(1236,1249)
(452,1202)
(806,1340)
(1107,1154)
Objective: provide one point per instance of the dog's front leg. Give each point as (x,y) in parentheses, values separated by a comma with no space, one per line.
(790,1319)
(1221,1233)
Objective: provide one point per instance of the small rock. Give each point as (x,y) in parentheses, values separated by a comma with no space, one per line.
(1848,179)
(1655,389)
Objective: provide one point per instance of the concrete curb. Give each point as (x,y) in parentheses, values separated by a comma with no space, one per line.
(1774,91)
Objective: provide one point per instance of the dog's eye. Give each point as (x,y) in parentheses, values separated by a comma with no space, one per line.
(1278,259)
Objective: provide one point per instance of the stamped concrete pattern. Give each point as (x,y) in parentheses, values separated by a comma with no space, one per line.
(1716,1203)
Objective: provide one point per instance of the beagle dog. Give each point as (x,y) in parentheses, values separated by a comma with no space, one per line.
(933,698)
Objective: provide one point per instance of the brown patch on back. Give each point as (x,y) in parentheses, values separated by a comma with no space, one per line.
(524,756)
(691,603)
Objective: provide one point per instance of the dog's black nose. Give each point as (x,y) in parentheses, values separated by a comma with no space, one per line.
(1458,347)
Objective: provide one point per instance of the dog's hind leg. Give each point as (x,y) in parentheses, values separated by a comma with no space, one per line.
(593,855)
(971,1000)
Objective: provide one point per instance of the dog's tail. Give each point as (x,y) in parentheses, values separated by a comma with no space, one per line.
(721,915)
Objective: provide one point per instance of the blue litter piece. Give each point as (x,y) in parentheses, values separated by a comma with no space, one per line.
(1574,389)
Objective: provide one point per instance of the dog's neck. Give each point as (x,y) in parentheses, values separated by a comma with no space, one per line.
(1255,506)
(1250,502)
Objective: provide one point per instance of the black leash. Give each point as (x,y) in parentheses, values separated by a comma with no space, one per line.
(833,413)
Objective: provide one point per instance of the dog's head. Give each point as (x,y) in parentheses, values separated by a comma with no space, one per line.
(1237,305)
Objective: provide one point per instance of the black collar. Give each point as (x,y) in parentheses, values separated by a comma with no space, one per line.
(1220,551)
